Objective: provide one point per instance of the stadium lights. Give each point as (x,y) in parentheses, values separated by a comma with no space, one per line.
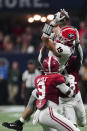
(31,20)
(50,17)
(43,19)
(37,17)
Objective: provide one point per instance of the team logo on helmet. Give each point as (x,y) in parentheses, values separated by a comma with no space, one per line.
(71,35)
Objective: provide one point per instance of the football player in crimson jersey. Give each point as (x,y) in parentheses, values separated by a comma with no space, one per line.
(47,92)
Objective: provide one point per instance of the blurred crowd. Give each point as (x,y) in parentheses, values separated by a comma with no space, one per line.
(27,39)
(20,39)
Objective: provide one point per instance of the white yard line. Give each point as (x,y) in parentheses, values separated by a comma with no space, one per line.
(12,108)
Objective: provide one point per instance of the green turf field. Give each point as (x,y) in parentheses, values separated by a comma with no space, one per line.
(27,127)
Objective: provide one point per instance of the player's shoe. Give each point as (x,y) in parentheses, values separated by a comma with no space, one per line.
(17,125)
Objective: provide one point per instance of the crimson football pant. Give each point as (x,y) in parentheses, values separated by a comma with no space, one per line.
(49,118)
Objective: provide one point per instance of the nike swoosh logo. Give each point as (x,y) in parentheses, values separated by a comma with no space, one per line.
(12,125)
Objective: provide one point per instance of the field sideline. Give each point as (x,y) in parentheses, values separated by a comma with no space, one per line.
(11,115)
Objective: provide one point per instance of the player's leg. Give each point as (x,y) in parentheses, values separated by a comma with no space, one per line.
(68,110)
(80,110)
(49,117)
(69,113)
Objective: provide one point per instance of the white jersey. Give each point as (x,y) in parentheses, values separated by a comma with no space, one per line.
(64,53)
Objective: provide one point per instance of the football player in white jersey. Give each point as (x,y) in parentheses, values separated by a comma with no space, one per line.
(56,48)
(69,40)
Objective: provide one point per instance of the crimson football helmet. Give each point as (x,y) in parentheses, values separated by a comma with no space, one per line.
(67,36)
(50,65)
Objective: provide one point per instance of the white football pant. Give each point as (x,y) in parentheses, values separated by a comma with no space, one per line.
(73,109)
(49,118)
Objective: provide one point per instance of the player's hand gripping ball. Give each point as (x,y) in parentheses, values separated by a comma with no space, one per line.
(60,17)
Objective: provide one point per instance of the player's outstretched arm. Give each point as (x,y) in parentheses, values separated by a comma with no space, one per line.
(49,44)
(79,57)
(79,51)
(60,18)
(18,124)
(66,90)
(42,54)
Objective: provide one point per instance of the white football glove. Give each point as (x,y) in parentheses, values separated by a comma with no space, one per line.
(64,13)
(71,80)
(59,17)
(47,30)
(77,41)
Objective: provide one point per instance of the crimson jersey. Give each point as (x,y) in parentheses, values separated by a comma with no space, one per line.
(72,68)
(46,87)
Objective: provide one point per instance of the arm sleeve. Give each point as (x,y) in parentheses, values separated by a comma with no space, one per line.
(65,90)
(32,100)
(79,58)
(42,55)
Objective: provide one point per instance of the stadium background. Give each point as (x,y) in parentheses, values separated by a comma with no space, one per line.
(21,23)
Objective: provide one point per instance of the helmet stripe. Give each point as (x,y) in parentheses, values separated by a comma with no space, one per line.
(67,29)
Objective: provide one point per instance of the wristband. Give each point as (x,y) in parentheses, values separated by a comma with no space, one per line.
(47,29)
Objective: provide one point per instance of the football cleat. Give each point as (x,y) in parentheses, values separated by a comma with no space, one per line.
(17,125)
